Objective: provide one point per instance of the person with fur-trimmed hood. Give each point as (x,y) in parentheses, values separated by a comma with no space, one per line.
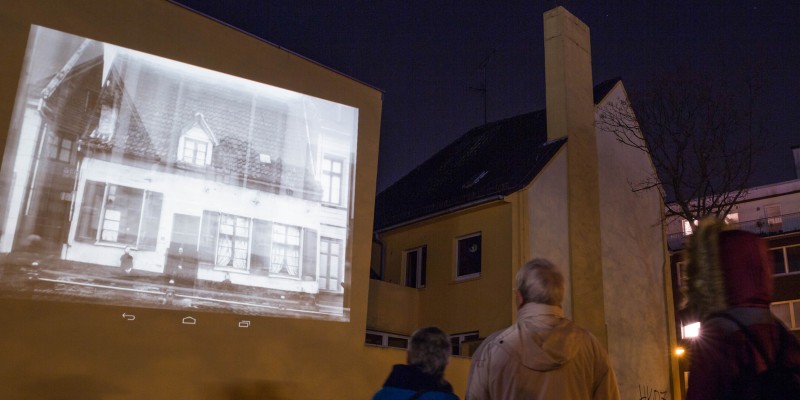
(423,377)
(730,282)
(544,355)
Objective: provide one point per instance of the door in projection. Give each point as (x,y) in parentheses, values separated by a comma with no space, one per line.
(182,262)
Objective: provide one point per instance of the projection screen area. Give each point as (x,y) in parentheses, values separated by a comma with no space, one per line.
(131,179)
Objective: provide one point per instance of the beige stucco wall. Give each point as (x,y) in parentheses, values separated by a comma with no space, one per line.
(60,350)
(547,219)
(633,268)
(455,306)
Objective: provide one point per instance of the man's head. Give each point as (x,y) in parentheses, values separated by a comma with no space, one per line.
(429,350)
(539,281)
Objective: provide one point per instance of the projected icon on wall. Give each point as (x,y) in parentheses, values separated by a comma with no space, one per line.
(136,180)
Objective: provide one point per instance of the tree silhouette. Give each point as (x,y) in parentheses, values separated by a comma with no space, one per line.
(701,139)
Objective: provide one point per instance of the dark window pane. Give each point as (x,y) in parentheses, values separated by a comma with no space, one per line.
(469,256)
(374,339)
(793,258)
(411,268)
(423,267)
(777,261)
(400,343)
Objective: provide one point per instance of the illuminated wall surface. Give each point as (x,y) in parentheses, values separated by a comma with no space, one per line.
(186,210)
(143,181)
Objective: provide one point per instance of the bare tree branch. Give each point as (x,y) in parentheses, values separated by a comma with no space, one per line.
(702,141)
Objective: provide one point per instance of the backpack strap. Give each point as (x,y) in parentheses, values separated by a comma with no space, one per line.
(753,340)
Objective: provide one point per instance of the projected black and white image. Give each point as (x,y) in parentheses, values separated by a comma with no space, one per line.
(131,179)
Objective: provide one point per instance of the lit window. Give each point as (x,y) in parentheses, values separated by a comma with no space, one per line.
(59,148)
(732,218)
(285,256)
(332,173)
(194,151)
(113,214)
(687,227)
(415,268)
(330,264)
(233,241)
(691,330)
(468,256)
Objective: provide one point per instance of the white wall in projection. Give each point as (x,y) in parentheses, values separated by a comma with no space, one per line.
(131,179)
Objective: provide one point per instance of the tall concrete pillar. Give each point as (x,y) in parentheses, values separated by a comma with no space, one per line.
(570,113)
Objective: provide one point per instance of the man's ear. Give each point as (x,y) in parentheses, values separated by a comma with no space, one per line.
(520,300)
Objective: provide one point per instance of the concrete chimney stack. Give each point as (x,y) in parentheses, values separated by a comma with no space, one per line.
(570,113)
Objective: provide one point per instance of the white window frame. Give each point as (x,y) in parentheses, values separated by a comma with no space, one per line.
(458,339)
(417,253)
(385,338)
(328,261)
(785,259)
(281,242)
(332,180)
(794,320)
(199,136)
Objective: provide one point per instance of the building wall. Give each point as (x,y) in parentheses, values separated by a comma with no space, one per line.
(546,220)
(635,269)
(481,303)
(68,350)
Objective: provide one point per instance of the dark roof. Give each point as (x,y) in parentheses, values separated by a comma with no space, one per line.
(489,161)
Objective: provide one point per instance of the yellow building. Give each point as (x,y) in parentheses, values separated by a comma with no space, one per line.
(112,342)
(450,235)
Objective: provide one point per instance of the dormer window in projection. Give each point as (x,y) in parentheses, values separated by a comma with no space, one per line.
(195,146)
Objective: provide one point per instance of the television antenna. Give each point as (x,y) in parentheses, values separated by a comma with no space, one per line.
(483,88)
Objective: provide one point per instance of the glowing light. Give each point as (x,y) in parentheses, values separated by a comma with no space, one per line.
(679,351)
(691,330)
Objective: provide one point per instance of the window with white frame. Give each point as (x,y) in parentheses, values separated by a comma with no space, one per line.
(233,241)
(285,255)
(468,256)
(195,146)
(456,340)
(330,264)
(332,178)
(687,227)
(786,259)
(414,262)
(59,148)
(384,339)
(788,312)
(119,214)
(195,151)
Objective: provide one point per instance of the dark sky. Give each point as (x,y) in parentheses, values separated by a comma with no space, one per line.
(426,56)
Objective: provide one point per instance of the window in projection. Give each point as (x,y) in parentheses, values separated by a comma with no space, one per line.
(131,179)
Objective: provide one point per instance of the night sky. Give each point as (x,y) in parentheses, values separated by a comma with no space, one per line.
(426,57)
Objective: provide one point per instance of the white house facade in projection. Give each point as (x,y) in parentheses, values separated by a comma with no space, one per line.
(130,173)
